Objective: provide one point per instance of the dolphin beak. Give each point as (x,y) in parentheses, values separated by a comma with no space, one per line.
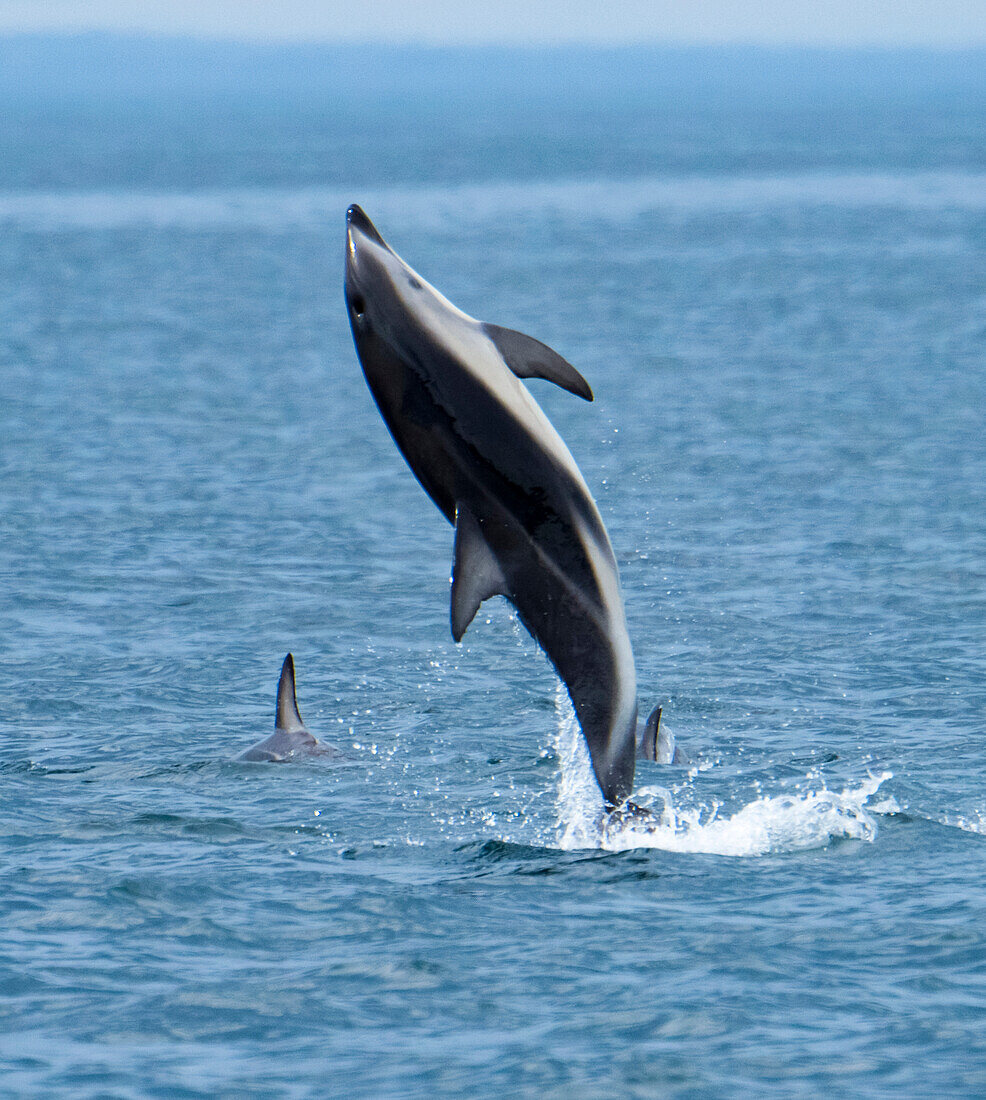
(360,232)
(357,225)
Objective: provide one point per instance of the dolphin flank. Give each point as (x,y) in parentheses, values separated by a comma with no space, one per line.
(290,739)
(526,527)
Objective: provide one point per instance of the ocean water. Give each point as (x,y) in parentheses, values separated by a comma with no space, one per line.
(784,324)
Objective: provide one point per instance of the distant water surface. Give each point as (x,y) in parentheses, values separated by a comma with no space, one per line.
(787,448)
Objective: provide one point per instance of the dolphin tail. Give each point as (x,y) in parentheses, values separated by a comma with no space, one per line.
(657,742)
(288,716)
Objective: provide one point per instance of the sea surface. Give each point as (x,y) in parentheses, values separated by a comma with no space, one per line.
(781,308)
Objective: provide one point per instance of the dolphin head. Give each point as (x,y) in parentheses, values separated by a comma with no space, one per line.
(413,345)
(366,267)
(394,313)
(377,281)
(381,290)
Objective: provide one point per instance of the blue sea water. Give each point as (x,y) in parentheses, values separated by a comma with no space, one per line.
(782,314)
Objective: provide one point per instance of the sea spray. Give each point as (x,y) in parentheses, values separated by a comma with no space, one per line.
(767,824)
(580,802)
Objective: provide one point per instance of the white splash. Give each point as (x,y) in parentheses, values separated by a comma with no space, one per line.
(769,824)
(580,802)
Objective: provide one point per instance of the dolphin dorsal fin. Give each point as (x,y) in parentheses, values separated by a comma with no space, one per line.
(288,717)
(648,747)
(529,358)
(658,743)
(476,574)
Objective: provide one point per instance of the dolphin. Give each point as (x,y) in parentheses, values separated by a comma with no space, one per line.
(526,526)
(290,739)
(657,743)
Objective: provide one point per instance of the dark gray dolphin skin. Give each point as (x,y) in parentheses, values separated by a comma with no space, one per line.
(290,739)
(657,742)
(526,527)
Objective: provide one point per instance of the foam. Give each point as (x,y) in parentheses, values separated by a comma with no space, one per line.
(768,824)
(973,822)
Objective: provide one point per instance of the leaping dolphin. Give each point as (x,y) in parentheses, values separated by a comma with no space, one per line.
(526,527)
(290,739)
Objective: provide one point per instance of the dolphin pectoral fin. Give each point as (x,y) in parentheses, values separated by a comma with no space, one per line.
(476,574)
(288,717)
(529,358)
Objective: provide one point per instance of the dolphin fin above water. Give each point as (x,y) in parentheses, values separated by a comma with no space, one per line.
(476,574)
(290,739)
(529,358)
(288,716)
(657,742)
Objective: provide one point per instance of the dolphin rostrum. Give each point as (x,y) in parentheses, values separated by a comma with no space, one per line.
(290,739)
(526,526)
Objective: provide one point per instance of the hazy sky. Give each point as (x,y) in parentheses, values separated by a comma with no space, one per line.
(817,22)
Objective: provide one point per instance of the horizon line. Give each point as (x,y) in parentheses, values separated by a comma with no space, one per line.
(206,37)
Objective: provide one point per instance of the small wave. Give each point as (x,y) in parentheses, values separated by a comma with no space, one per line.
(769,824)
(33,767)
(973,822)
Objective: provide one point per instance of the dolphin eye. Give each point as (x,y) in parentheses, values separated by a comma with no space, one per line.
(358,306)
(414,282)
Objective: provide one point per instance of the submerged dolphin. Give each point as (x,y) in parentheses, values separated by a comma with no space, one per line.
(526,526)
(290,739)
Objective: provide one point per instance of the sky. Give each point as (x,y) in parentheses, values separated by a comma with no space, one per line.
(938,23)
